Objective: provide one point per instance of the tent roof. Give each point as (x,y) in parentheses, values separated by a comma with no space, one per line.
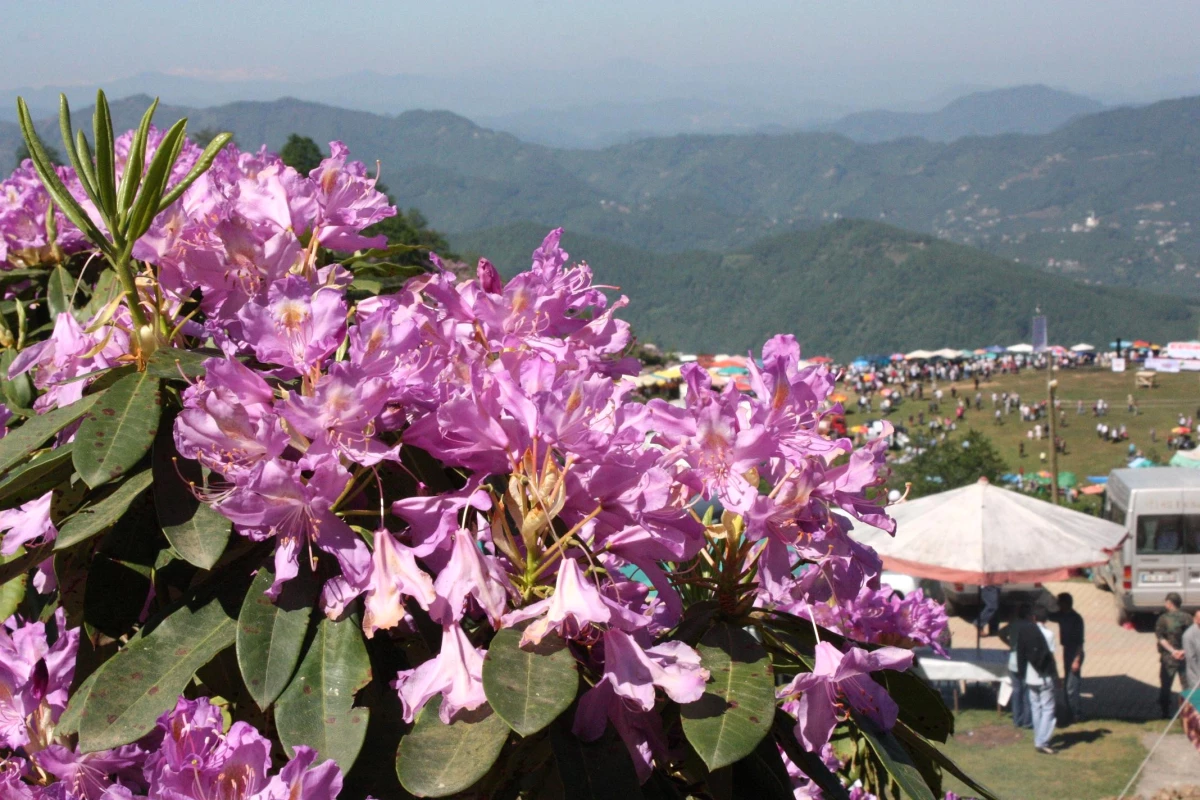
(983,534)
(1020,348)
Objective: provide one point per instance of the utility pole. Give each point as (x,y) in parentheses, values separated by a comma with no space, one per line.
(1053,386)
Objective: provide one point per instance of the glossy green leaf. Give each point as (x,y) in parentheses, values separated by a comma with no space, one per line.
(146,204)
(94,519)
(918,746)
(195,531)
(170,363)
(317,708)
(270,634)
(131,177)
(437,760)
(33,433)
(528,687)
(12,591)
(119,430)
(143,680)
(738,705)
(762,774)
(39,476)
(896,761)
(199,168)
(59,289)
(106,168)
(599,770)
(54,185)
(18,392)
(921,706)
(79,160)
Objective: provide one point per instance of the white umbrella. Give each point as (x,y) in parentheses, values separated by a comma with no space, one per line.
(918,355)
(982,534)
(948,353)
(1020,348)
(1082,347)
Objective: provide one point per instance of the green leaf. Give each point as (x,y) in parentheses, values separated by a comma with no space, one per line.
(317,708)
(31,435)
(199,168)
(139,683)
(528,687)
(119,430)
(59,289)
(170,363)
(437,760)
(106,168)
(131,177)
(94,519)
(68,723)
(270,634)
(37,477)
(83,168)
(735,713)
(12,591)
(54,185)
(145,206)
(895,760)
(195,531)
(921,706)
(18,391)
(920,747)
(808,763)
(599,770)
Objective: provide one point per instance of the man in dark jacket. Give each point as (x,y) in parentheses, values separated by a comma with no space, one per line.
(1070,636)
(1168,635)
(1019,705)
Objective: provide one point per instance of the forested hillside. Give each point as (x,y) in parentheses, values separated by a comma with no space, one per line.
(1109,198)
(845,289)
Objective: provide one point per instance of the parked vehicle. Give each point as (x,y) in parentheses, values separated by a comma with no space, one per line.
(1160,509)
(960,596)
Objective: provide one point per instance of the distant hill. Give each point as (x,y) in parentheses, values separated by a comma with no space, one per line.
(1019,109)
(847,288)
(1132,171)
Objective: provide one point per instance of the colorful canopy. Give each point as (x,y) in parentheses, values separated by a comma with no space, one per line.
(983,534)
(1186,458)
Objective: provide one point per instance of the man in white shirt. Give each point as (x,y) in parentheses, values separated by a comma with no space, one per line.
(1041,678)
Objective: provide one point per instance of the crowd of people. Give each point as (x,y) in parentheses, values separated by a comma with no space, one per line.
(1035,652)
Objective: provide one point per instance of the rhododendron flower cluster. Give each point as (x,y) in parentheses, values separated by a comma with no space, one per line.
(442,463)
(190,755)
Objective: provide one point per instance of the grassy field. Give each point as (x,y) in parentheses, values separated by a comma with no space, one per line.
(1095,760)
(1158,408)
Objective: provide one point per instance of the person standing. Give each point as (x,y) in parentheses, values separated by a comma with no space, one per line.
(1035,661)
(1019,705)
(1070,634)
(990,597)
(1168,635)
(1191,650)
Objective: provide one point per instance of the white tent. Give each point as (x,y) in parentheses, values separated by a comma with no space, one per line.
(1020,348)
(918,355)
(1083,347)
(948,353)
(982,534)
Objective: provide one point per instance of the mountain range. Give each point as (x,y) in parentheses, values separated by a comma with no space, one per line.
(1108,198)
(844,289)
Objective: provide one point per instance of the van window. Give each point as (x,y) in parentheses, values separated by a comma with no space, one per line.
(1191,523)
(1114,513)
(1160,534)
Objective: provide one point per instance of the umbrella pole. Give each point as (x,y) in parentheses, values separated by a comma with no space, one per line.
(978,636)
(1053,385)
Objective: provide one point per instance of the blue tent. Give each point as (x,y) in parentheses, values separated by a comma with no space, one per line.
(860,363)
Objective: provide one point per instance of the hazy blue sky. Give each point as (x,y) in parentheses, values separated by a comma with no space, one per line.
(834,47)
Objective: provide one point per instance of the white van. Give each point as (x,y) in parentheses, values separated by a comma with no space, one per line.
(1160,509)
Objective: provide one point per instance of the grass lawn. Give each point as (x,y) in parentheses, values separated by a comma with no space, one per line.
(1159,409)
(1097,759)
